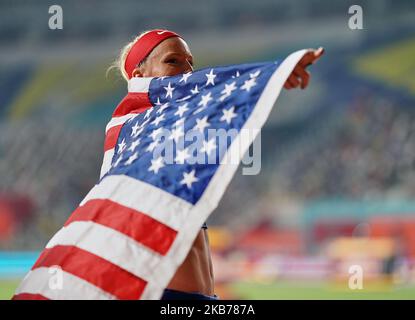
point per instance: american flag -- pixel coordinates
(130, 233)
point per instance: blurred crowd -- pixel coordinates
(366, 150)
(52, 163)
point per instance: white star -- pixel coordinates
(179, 122)
(176, 134)
(208, 146)
(134, 145)
(210, 77)
(228, 115)
(200, 109)
(248, 84)
(236, 75)
(228, 90)
(255, 74)
(158, 103)
(163, 107)
(169, 90)
(156, 164)
(201, 124)
(181, 110)
(205, 99)
(155, 133)
(195, 90)
(189, 178)
(185, 76)
(132, 158)
(121, 146)
(152, 146)
(158, 119)
(135, 129)
(147, 113)
(116, 163)
(144, 122)
(181, 156)
(183, 99)
(138, 132)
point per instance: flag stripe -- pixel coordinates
(29, 296)
(111, 137)
(119, 120)
(134, 102)
(133, 223)
(143, 197)
(39, 282)
(109, 244)
(93, 269)
(106, 162)
(139, 84)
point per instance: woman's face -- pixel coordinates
(171, 57)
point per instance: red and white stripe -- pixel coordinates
(135, 102)
(98, 248)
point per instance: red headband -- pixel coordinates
(143, 47)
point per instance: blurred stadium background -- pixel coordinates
(337, 185)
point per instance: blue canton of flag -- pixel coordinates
(211, 98)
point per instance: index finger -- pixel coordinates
(312, 56)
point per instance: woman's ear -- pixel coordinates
(137, 73)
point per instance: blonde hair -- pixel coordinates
(119, 63)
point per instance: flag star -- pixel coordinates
(181, 110)
(134, 145)
(169, 90)
(132, 158)
(195, 90)
(201, 124)
(255, 74)
(189, 178)
(210, 77)
(135, 129)
(144, 122)
(228, 90)
(121, 146)
(208, 146)
(228, 115)
(176, 134)
(156, 164)
(200, 109)
(158, 119)
(158, 103)
(138, 132)
(155, 133)
(181, 156)
(183, 99)
(185, 76)
(179, 122)
(236, 75)
(163, 107)
(147, 113)
(116, 163)
(152, 145)
(205, 99)
(248, 84)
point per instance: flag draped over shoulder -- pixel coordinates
(135, 227)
